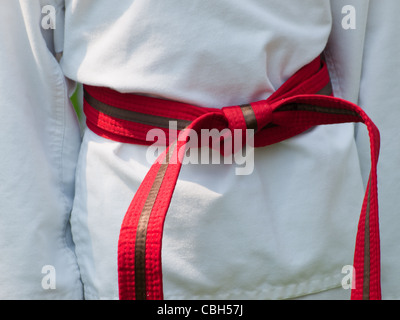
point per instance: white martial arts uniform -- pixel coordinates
(286, 230)
(39, 145)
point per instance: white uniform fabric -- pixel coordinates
(39, 145)
(284, 231)
(380, 97)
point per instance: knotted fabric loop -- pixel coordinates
(240, 117)
(302, 102)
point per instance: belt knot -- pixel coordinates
(253, 116)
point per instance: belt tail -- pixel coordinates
(140, 241)
(366, 283)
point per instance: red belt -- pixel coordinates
(302, 102)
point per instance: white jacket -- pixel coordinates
(39, 143)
